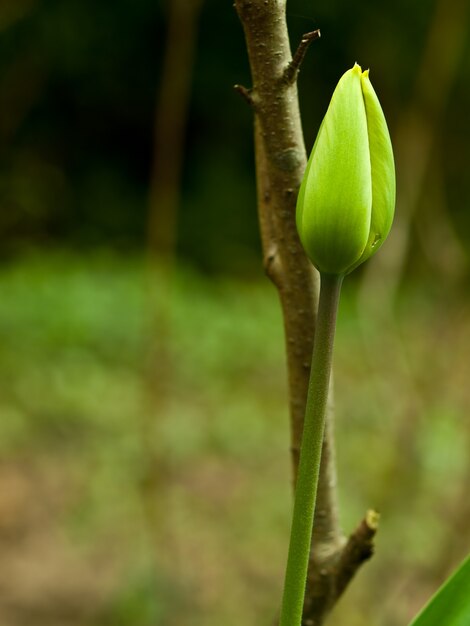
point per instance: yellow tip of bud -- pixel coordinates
(365, 73)
(357, 68)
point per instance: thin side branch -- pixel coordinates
(330, 573)
(359, 548)
(292, 69)
(245, 93)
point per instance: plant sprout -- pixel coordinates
(345, 211)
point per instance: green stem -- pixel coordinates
(310, 453)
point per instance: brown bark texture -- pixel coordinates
(280, 163)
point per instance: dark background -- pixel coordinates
(79, 86)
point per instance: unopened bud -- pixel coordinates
(347, 198)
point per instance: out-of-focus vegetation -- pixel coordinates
(78, 90)
(78, 544)
(144, 475)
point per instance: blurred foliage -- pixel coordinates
(78, 411)
(78, 89)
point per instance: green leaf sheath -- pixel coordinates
(450, 606)
(310, 454)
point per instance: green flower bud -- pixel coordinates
(347, 197)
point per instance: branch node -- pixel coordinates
(290, 73)
(272, 266)
(246, 94)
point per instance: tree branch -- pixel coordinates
(292, 69)
(280, 164)
(271, 258)
(359, 548)
(327, 582)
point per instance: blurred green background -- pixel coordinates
(144, 469)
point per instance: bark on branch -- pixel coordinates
(280, 164)
(292, 70)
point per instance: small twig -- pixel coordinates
(359, 548)
(245, 93)
(328, 581)
(291, 71)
